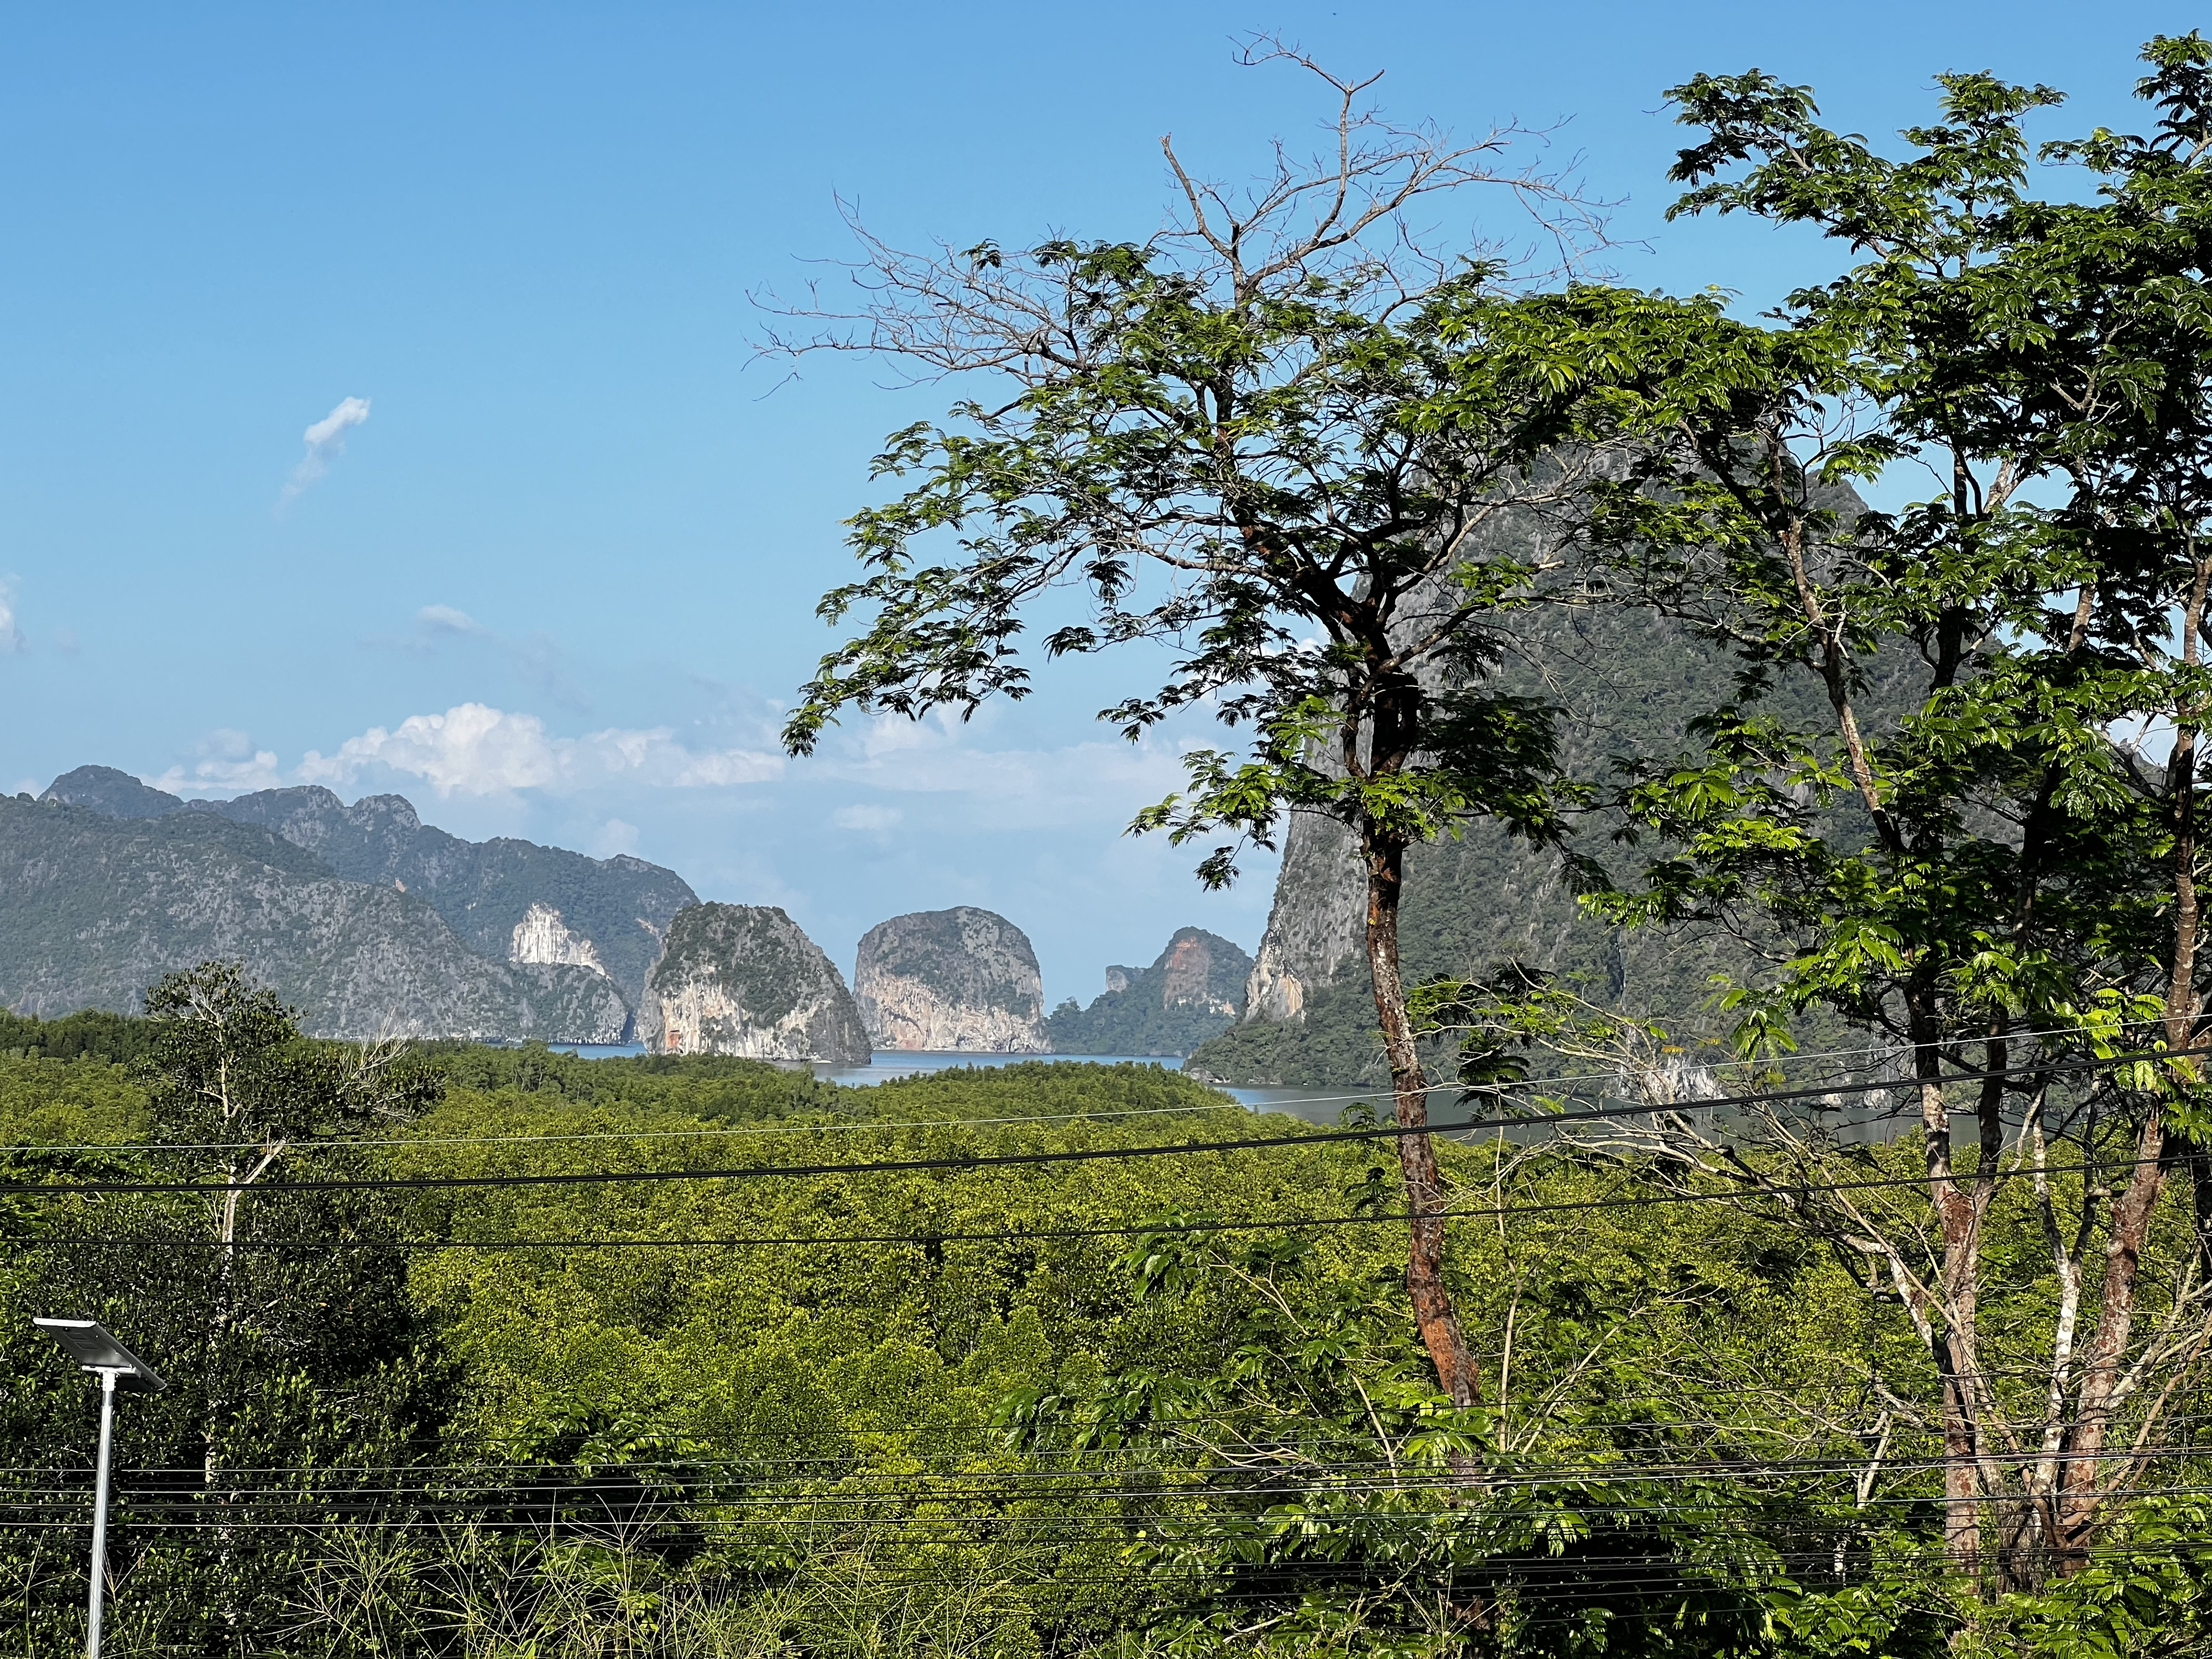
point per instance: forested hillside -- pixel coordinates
(573, 936)
(93, 907)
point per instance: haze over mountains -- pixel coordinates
(373, 923)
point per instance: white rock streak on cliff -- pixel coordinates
(543, 936)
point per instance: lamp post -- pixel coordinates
(89, 1343)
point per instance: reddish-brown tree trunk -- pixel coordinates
(1426, 1202)
(2081, 1493)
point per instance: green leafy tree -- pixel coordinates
(1273, 442)
(280, 1317)
(2004, 881)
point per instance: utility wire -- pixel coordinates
(1073, 1155)
(1784, 1191)
(891, 1125)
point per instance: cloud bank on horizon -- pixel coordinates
(889, 816)
(325, 441)
(473, 748)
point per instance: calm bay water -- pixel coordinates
(1314, 1105)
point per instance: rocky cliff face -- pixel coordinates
(1319, 918)
(93, 908)
(1629, 684)
(957, 979)
(1202, 971)
(744, 979)
(1193, 990)
(542, 937)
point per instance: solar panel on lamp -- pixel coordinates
(94, 1347)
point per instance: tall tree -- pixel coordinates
(2005, 878)
(1273, 438)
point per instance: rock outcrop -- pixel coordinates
(1195, 990)
(745, 979)
(1317, 922)
(961, 979)
(95, 906)
(543, 936)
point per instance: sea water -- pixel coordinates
(1315, 1105)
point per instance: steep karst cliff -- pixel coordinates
(1195, 989)
(543, 936)
(1629, 684)
(957, 979)
(744, 979)
(95, 906)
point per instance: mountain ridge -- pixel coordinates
(95, 906)
(1193, 990)
(486, 890)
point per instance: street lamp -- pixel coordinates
(89, 1343)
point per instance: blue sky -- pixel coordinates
(552, 574)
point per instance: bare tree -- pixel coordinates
(1282, 435)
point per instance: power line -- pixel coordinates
(1071, 1154)
(653, 1511)
(892, 1125)
(780, 1128)
(1783, 1191)
(1307, 1479)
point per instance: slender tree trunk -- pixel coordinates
(222, 1321)
(1425, 1203)
(2101, 1367)
(1951, 1333)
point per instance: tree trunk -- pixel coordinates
(1425, 1203)
(2082, 1496)
(1952, 1335)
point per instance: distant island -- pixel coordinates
(372, 923)
(1195, 990)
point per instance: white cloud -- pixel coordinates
(475, 750)
(229, 765)
(865, 817)
(11, 636)
(445, 619)
(326, 439)
(614, 836)
(1026, 788)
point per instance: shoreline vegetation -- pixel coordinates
(952, 1406)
